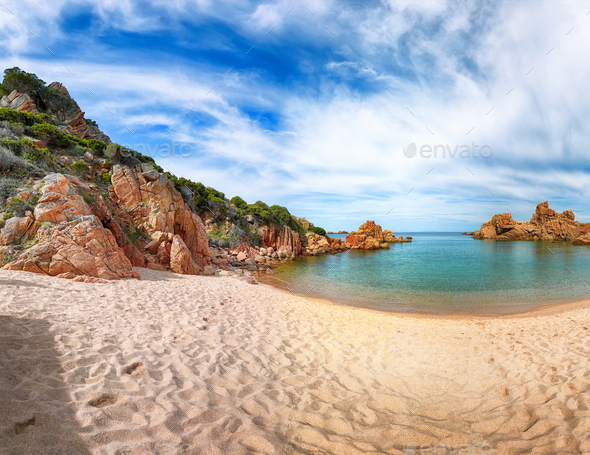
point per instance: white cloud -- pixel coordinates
(338, 154)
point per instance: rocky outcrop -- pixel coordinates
(158, 210)
(60, 104)
(316, 244)
(370, 236)
(19, 102)
(69, 241)
(276, 237)
(545, 224)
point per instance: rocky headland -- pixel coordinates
(75, 205)
(545, 224)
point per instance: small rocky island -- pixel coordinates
(545, 224)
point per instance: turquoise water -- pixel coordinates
(445, 273)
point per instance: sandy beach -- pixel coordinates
(214, 365)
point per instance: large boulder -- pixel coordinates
(158, 209)
(18, 230)
(181, 260)
(70, 240)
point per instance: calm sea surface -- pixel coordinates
(446, 273)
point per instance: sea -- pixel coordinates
(445, 273)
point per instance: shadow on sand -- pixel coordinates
(36, 408)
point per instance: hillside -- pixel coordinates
(76, 205)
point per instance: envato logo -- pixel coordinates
(460, 151)
(174, 150)
(439, 449)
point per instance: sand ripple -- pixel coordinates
(216, 366)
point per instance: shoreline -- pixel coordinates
(545, 309)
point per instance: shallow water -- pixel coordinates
(446, 273)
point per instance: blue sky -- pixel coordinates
(322, 98)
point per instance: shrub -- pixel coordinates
(8, 188)
(106, 177)
(318, 230)
(9, 162)
(239, 202)
(96, 146)
(25, 118)
(17, 79)
(16, 147)
(90, 122)
(18, 206)
(52, 136)
(18, 129)
(80, 168)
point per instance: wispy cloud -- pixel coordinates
(316, 115)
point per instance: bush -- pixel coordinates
(90, 122)
(106, 177)
(16, 147)
(18, 206)
(239, 202)
(96, 146)
(8, 188)
(80, 168)
(52, 136)
(23, 82)
(318, 230)
(17, 129)
(25, 118)
(9, 162)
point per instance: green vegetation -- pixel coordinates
(21, 81)
(318, 230)
(25, 118)
(134, 234)
(52, 136)
(18, 207)
(90, 122)
(80, 168)
(89, 199)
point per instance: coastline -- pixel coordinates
(226, 367)
(540, 309)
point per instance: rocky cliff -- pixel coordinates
(545, 224)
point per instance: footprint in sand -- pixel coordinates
(20, 427)
(104, 400)
(135, 369)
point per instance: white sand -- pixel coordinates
(222, 366)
